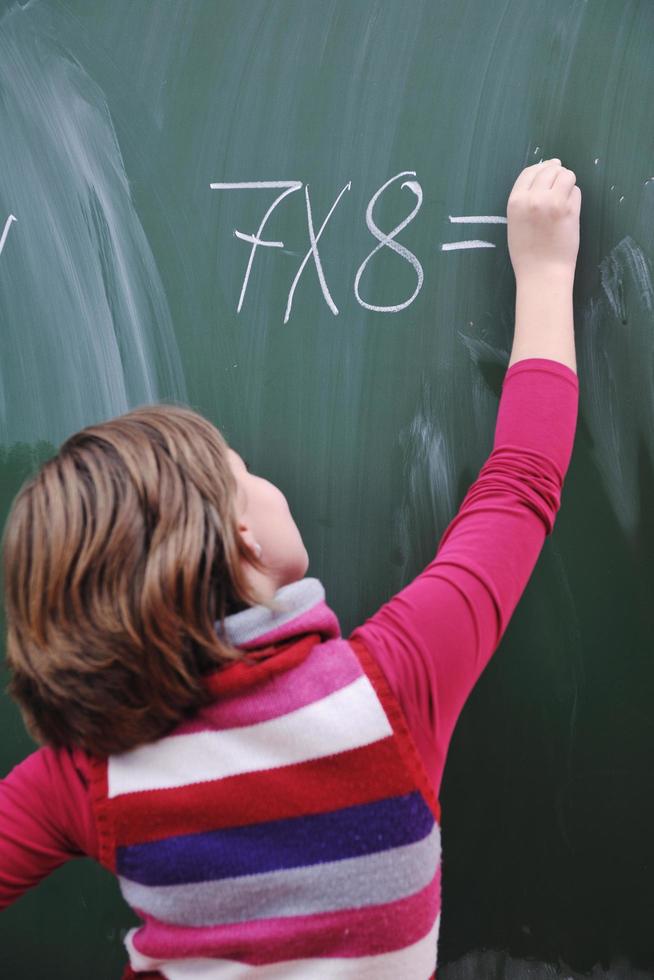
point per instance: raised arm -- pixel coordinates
(434, 638)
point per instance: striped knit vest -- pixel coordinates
(289, 829)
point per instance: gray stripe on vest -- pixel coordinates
(289, 601)
(351, 883)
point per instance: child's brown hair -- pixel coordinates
(119, 555)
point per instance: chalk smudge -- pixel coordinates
(489, 965)
(87, 329)
(626, 257)
(429, 497)
(615, 363)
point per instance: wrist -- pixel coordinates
(544, 320)
(557, 278)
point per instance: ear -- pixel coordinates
(249, 539)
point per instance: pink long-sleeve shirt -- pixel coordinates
(432, 640)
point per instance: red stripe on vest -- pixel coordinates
(374, 772)
(257, 666)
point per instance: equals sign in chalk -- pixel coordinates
(473, 219)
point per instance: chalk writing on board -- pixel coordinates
(384, 239)
(314, 239)
(256, 240)
(8, 223)
(389, 241)
(473, 219)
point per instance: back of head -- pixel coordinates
(118, 557)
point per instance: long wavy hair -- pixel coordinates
(119, 556)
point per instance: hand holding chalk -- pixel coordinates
(543, 234)
(543, 221)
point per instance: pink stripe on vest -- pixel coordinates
(322, 673)
(350, 932)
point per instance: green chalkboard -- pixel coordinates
(366, 388)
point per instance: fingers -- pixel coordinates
(527, 176)
(545, 177)
(575, 196)
(548, 175)
(564, 181)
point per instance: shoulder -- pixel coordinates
(52, 786)
(50, 766)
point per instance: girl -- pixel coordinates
(265, 790)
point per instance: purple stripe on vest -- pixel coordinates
(350, 832)
(370, 879)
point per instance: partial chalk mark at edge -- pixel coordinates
(8, 224)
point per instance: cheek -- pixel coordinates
(272, 520)
(272, 510)
(285, 528)
(283, 509)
